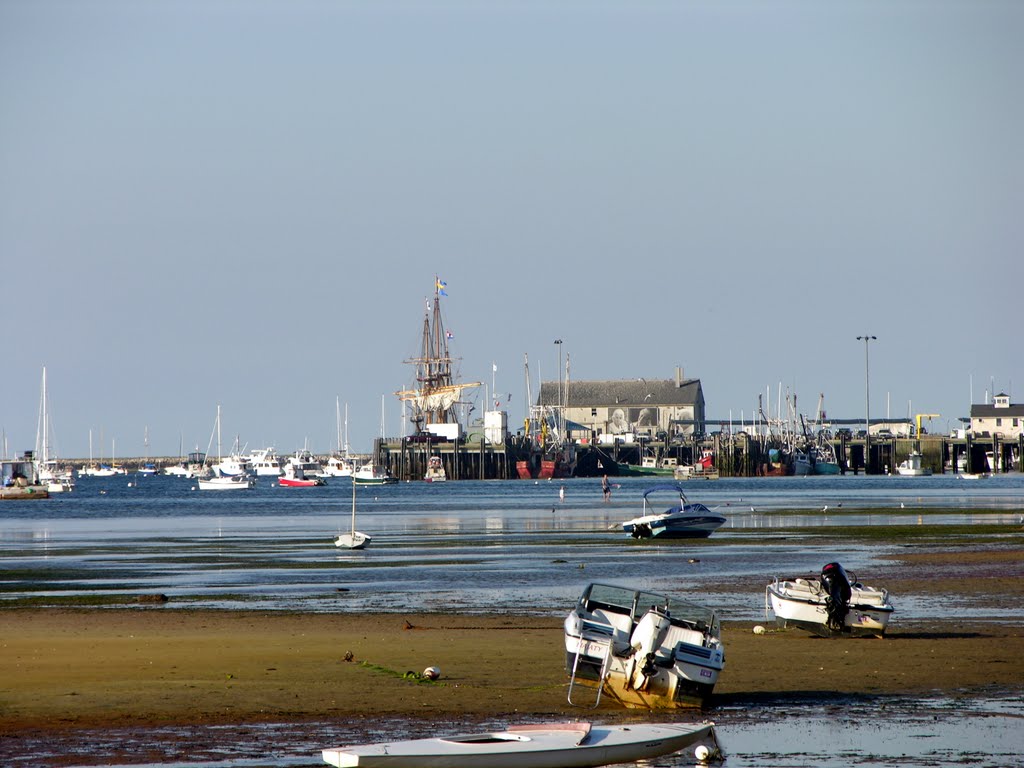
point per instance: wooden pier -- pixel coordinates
(740, 455)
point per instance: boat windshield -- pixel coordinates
(635, 604)
(678, 610)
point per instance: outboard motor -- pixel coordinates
(837, 604)
(645, 640)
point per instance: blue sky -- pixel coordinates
(246, 203)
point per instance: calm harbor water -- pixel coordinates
(502, 546)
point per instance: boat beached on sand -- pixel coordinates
(831, 604)
(682, 521)
(557, 745)
(642, 648)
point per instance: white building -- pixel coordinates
(1001, 419)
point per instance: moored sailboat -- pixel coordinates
(212, 480)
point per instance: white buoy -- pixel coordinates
(702, 753)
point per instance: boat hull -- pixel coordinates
(354, 540)
(680, 527)
(291, 482)
(228, 483)
(560, 746)
(796, 605)
(669, 657)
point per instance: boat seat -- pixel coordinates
(676, 635)
(621, 628)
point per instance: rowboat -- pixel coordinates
(557, 745)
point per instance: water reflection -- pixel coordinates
(913, 733)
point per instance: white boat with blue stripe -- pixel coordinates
(684, 520)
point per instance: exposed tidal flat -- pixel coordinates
(245, 662)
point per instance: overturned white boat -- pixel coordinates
(830, 604)
(558, 745)
(641, 648)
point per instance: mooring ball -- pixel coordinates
(431, 673)
(758, 630)
(702, 753)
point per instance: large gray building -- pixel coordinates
(624, 408)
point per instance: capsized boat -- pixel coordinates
(682, 521)
(831, 604)
(643, 649)
(557, 745)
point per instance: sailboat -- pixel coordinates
(354, 539)
(211, 480)
(436, 392)
(371, 473)
(48, 470)
(147, 467)
(339, 464)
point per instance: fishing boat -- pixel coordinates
(301, 471)
(212, 479)
(643, 649)
(685, 520)
(912, 466)
(832, 603)
(373, 474)
(551, 745)
(704, 469)
(435, 471)
(191, 466)
(264, 462)
(353, 539)
(337, 466)
(18, 479)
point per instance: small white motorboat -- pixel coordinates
(644, 649)
(558, 745)
(912, 466)
(830, 604)
(685, 520)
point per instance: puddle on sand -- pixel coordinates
(876, 732)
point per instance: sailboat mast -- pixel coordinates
(353, 509)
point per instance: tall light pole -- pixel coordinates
(867, 403)
(558, 416)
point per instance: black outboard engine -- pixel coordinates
(837, 604)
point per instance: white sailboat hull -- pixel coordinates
(354, 540)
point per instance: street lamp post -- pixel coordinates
(558, 417)
(867, 403)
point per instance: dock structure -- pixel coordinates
(738, 455)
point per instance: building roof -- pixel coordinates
(634, 392)
(995, 412)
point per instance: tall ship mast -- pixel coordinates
(435, 393)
